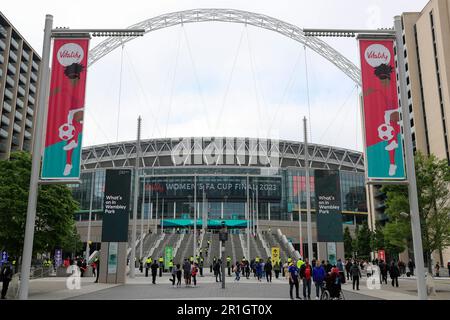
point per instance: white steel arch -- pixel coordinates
(235, 16)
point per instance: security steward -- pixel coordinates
(148, 263)
(161, 265)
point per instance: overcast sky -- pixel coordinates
(216, 79)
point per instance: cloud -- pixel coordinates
(194, 93)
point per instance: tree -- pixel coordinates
(433, 178)
(54, 225)
(362, 243)
(348, 243)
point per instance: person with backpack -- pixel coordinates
(318, 278)
(305, 275)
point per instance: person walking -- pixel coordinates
(6, 275)
(247, 269)
(293, 280)
(229, 265)
(237, 271)
(178, 275)
(394, 272)
(97, 266)
(154, 268)
(200, 266)
(277, 269)
(436, 269)
(216, 269)
(340, 267)
(174, 274)
(383, 271)
(258, 270)
(448, 267)
(211, 266)
(318, 277)
(348, 266)
(187, 272)
(268, 270)
(305, 275)
(411, 266)
(194, 272)
(356, 274)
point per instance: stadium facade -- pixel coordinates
(220, 168)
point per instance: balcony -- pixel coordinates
(14, 44)
(20, 103)
(17, 128)
(28, 123)
(34, 77)
(10, 81)
(3, 133)
(19, 116)
(30, 111)
(13, 56)
(32, 88)
(2, 59)
(25, 55)
(5, 120)
(35, 66)
(31, 99)
(11, 68)
(27, 135)
(21, 91)
(22, 79)
(2, 45)
(15, 140)
(24, 67)
(8, 94)
(6, 106)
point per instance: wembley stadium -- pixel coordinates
(255, 186)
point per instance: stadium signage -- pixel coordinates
(116, 204)
(328, 206)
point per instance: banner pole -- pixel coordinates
(410, 167)
(36, 160)
(308, 193)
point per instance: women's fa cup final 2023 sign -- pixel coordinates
(62, 152)
(383, 138)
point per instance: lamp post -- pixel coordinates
(396, 32)
(41, 107)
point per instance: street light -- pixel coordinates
(397, 34)
(44, 80)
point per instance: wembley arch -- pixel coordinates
(232, 16)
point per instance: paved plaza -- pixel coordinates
(141, 288)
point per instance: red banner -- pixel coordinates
(384, 151)
(63, 138)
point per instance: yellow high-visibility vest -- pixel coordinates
(161, 259)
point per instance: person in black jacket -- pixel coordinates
(394, 272)
(97, 266)
(154, 268)
(348, 266)
(6, 276)
(356, 274)
(268, 270)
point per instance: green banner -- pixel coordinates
(168, 256)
